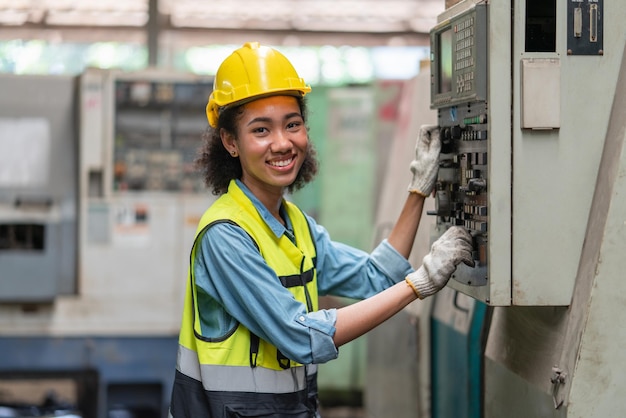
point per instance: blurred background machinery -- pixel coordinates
(99, 201)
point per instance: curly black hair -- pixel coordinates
(219, 167)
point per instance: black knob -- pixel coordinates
(477, 184)
(446, 141)
(455, 132)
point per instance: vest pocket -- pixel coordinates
(263, 410)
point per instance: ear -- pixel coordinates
(228, 140)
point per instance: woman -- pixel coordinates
(252, 334)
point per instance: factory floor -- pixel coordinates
(342, 412)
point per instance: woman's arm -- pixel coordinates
(403, 233)
(424, 167)
(357, 319)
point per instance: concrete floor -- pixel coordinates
(342, 412)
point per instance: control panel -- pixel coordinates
(459, 93)
(156, 134)
(461, 188)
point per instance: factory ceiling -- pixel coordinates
(289, 22)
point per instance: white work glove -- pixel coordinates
(426, 162)
(452, 248)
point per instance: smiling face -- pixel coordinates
(271, 145)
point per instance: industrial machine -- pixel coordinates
(99, 203)
(530, 97)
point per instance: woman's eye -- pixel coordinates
(260, 130)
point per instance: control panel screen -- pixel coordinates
(459, 59)
(445, 67)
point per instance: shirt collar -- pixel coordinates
(269, 219)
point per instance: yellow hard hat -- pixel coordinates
(252, 71)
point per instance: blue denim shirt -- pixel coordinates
(234, 284)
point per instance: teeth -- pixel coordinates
(282, 163)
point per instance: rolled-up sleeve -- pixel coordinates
(390, 262)
(321, 326)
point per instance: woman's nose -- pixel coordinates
(281, 142)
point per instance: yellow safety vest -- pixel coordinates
(241, 363)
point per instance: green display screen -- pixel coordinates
(445, 61)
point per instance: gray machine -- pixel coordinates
(99, 202)
(38, 199)
(531, 101)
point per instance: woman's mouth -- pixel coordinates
(281, 163)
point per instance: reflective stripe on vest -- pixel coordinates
(243, 378)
